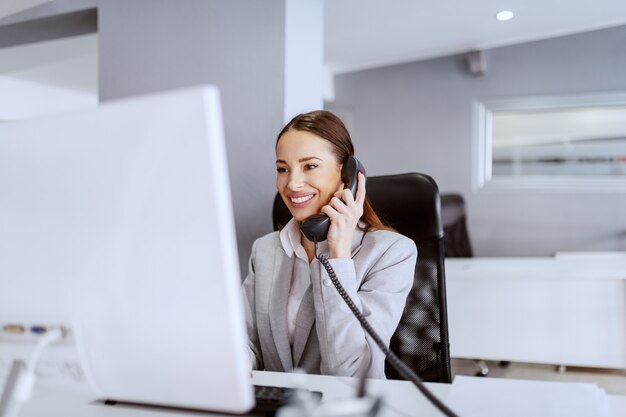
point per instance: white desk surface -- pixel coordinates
(401, 398)
(529, 268)
(564, 310)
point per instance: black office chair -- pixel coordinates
(410, 204)
(456, 238)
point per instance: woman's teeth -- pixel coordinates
(299, 200)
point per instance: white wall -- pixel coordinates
(48, 77)
(21, 99)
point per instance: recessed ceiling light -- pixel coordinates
(504, 15)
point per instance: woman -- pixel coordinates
(295, 316)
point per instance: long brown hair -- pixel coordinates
(326, 125)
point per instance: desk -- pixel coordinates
(401, 398)
(562, 311)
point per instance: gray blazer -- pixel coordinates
(328, 339)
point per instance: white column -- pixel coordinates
(304, 56)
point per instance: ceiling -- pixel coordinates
(362, 34)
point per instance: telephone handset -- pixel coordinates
(315, 228)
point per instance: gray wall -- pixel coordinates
(154, 45)
(52, 20)
(418, 117)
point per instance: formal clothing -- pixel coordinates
(290, 239)
(326, 337)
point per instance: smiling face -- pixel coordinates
(308, 173)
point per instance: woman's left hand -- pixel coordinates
(344, 216)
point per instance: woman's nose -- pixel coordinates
(296, 180)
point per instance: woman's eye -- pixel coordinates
(281, 170)
(310, 166)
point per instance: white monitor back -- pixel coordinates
(117, 224)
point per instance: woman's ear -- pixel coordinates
(341, 184)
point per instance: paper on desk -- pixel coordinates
(495, 397)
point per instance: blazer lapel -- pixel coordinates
(279, 294)
(304, 323)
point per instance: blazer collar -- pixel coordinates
(283, 269)
(290, 237)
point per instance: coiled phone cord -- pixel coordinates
(403, 369)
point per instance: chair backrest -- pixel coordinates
(410, 204)
(456, 240)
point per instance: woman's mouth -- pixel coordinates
(301, 200)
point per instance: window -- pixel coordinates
(553, 142)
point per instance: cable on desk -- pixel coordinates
(21, 380)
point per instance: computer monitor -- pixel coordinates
(117, 224)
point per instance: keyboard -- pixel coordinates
(269, 399)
